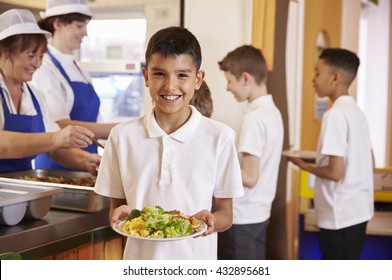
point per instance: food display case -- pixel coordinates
(73, 197)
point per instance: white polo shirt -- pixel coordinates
(262, 136)
(350, 201)
(183, 170)
(26, 106)
(54, 87)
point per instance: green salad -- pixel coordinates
(158, 223)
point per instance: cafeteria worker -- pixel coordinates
(67, 89)
(23, 120)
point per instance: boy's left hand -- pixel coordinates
(297, 161)
(207, 217)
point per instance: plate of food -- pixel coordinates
(157, 224)
(309, 156)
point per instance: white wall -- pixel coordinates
(373, 75)
(294, 59)
(351, 14)
(365, 30)
(220, 26)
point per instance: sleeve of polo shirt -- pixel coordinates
(228, 178)
(335, 129)
(252, 136)
(109, 181)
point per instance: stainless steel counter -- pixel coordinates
(55, 226)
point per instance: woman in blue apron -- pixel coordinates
(20, 123)
(67, 89)
(22, 127)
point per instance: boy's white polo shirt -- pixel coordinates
(345, 133)
(262, 136)
(183, 170)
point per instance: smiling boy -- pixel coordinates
(173, 157)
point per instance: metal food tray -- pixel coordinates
(74, 198)
(20, 200)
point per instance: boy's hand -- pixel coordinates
(207, 217)
(120, 213)
(297, 161)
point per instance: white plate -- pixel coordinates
(199, 231)
(306, 155)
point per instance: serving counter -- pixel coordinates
(63, 234)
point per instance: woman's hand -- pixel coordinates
(92, 164)
(73, 136)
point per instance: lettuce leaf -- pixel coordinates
(164, 224)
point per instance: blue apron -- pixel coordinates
(20, 123)
(85, 108)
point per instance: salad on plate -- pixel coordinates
(157, 223)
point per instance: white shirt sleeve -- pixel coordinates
(252, 136)
(334, 128)
(109, 171)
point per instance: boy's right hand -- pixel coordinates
(207, 217)
(73, 136)
(120, 213)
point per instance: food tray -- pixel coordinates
(307, 156)
(20, 200)
(74, 198)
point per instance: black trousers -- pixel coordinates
(343, 244)
(243, 242)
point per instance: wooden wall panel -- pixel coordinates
(67, 255)
(320, 15)
(263, 28)
(85, 252)
(114, 249)
(277, 236)
(99, 250)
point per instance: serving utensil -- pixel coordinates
(95, 141)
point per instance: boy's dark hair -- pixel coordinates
(342, 59)
(173, 41)
(245, 59)
(202, 100)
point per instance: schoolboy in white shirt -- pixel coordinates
(344, 164)
(260, 146)
(173, 157)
